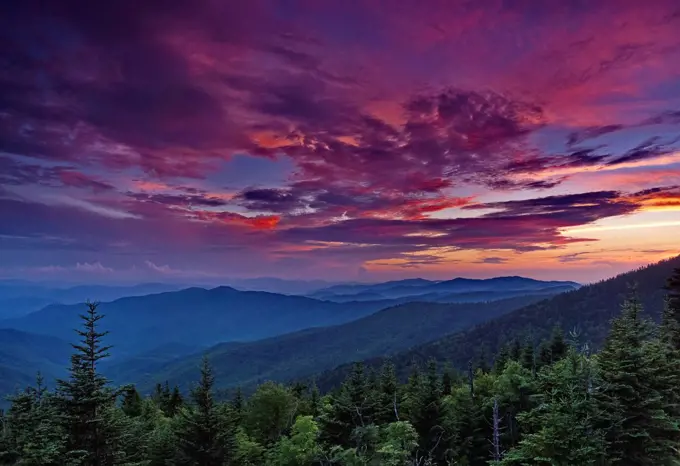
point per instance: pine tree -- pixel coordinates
(426, 415)
(175, 402)
(31, 430)
(352, 406)
(132, 402)
(672, 311)
(202, 436)
(238, 406)
(633, 408)
(527, 356)
(85, 400)
(560, 430)
(387, 409)
(558, 345)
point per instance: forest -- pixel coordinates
(556, 403)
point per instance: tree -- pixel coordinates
(398, 444)
(560, 430)
(86, 402)
(203, 435)
(672, 310)
(271, 412)
(301, 448)
(31, 432)
(426, 415)
(639, 429)
(352, 406)
(175, 402)
(387, 398)
(132, 402)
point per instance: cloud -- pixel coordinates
(95, 267)
(392, 137)
(492, 260)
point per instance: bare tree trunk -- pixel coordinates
(496, 432)
(471, 378)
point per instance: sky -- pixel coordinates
(340, 140)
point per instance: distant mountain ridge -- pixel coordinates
(195, 316)
(419, 287)
(18, 297)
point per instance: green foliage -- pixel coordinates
(301, 448)
(85, 401)
(560, 430)
(271, 412)
(204, 432)
(640, 426)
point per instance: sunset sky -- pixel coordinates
(337, 139)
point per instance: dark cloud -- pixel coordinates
(493, 260)
(592, 133)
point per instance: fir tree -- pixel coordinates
(85, 400)
(202, 437)
(632, 406)
(560, 429)
(132, 402)
(387, 409)
(175, 402)
(31, 432)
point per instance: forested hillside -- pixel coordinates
(313, 350)
(562, 406)
(587, 311)
(22, 354)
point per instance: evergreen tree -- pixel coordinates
(351, 407)
(527, 356)
(86, 402)
(558, 345)
(560, 430)
(426, 415)
(30, 430)
(387, 409)
(203, 437)
(632, 406)
(175, 402)
(238, 406)
(672, 310)
(132, 402)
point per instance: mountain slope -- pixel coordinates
(303, 353)
(588, 309)
(23, 354)
(18, 298)
(195, 316)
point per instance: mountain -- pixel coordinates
(195, 316)
(23, 354)
(589, 310)
(420, 289)
(19, 297)
(278, 285)
(309, 351)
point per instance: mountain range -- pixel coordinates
(586, 313)
(306, 352)
(254, 336)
